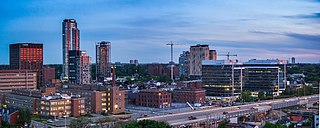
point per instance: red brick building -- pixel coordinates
(48, 75)
(155, 69)
(99, 98)
(197, 84)
(153, 98)
(60, 105)
(44, 102)
(158, 69)
(189, 95)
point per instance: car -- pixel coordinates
(225, 112)
(192, 118)
(50, 121)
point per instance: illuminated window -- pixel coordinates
(53, 103)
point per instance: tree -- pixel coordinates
(246, 96)
(142, 124)
(261, 95)
(106, 119)
(24, 117)
(306, 123)
(79, 122)
(291, 125)
(270, 125)
(223, 123)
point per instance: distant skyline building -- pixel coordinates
(184, 63)
(85, 65)
(79, 67)
(197, 54)
(27, 56)
(103, 60)
(70, 41)
(293, 60)
(212, 55)
(74, 66)
(135, 62)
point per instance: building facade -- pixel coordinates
(70, 41)
(197, 54)
(99, 99)
(184, 63)
(62, 105)
(103, 60)
(85, 66)
(225, 78)
(189, 95)
(79, 67)
(74, 66)
(14, 79)
(48, 75)
(153, 98)
(193, 84)
(27, 56)
(212, 55)
(44, 102)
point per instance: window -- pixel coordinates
(53, 108)
(53, 103)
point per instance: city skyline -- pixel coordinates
(250, 29)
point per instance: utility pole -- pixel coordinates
(171, 62)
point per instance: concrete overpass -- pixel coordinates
(220, 113)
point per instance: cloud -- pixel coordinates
(308, 37)
(264, 32)
(308, 16)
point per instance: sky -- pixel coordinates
(140, 29)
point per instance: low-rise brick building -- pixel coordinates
(14, 79)
(99, 98)
(44, 102)
(197, 84)
(189, 95)
(153, 98)
(61, 105)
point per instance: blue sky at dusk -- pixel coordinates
(140, 29)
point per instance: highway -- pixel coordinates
(233, 111)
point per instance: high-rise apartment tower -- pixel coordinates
(103, 60)
(70, 41)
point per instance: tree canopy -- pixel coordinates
(142, 124)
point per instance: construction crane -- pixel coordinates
(228, 55)
(232, 68)
(171, 62)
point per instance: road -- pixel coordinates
(182, 118)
